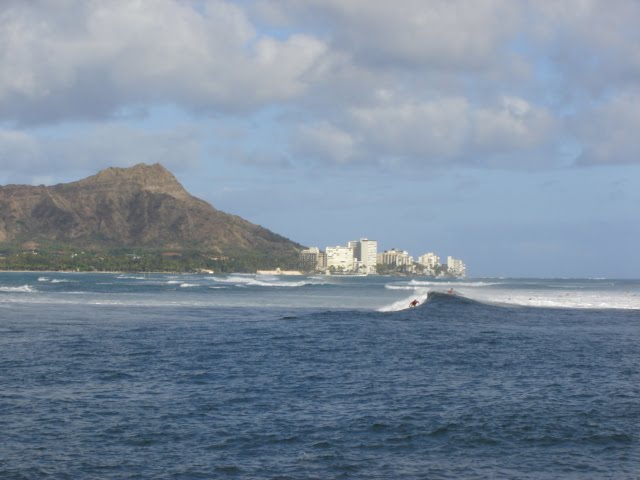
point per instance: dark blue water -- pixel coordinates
(453, 389)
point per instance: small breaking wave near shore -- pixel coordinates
(266, 281)
(20, 289)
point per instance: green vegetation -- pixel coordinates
(383, 269)
(138, 260)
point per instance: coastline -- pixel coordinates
(112, 272)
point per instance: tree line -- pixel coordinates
(138, 261)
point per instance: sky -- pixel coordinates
(502, 132)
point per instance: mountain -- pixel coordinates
(139, 207)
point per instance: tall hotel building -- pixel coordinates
(340, 258)
(313, 259)
(366, 254)
(429, 260)
(456, 267)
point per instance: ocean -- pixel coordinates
(318, 377)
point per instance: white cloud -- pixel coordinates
(515, 125)
(433, 130)
(326, 143)
(89, 58)
(445, 131)
(449, 34)
(486, 82)
(608, 133)
(593, 44)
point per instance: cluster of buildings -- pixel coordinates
(362, 257)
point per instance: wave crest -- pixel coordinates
(405, 303)
(263, 281)
(21, 289)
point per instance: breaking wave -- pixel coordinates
(531, 298)
(405, 303)
(53, 280)
(22, 289)
(427, 297)
(449, 284)
(264, 281)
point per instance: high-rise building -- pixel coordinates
(309, 258)
(369, 254)
(456, 267)
(340, 258)
(322, 261)
(430, 261)
(365, 252)
(395, 258)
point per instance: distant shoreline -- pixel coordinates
(103, 271)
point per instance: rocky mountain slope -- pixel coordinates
(142, 206)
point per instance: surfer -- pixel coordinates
(451, 292)
(414, 303)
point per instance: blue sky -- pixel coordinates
(502, 132)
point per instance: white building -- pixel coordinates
(369, 254)
(340, 258)
(456, 267)
(365, 252)
(430, 261)
(395, 258)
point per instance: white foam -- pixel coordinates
(22, 289)
(560, 299)
(417, 285)
(567, 295)
(427, 283)
(419, 294)
(402, 287)
(383, 294)
(54, 280)
(263, 281)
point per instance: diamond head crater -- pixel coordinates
(130, 219)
